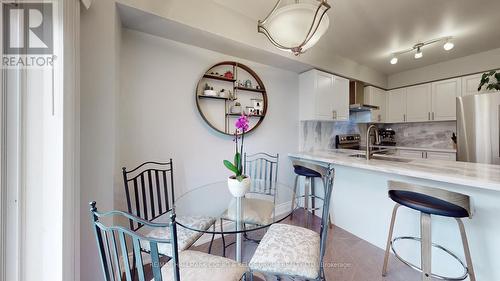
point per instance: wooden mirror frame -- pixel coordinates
(236, 87)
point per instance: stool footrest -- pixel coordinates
(466, 271)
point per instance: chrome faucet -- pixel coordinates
(369, 152)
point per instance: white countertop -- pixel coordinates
(476, 175)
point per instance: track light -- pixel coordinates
(419, 53)
(448, 45)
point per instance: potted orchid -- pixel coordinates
(238, 183)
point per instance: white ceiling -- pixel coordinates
(368, 31)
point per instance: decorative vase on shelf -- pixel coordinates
(238, 188)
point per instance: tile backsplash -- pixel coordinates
(426, 134)
(319, 135)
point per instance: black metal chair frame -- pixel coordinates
(147, 179)
(108, 247)
(257, 166)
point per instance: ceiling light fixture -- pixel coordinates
(295, 27)
(419, 46)
(394, 60)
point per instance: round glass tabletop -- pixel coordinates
(264, 204)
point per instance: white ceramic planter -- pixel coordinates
(238, 188)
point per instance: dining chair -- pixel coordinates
(114, 243)
(262, 167)
(149, 190)
(294, 251)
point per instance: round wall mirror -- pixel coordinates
(226, 91)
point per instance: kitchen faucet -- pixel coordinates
(369, 152)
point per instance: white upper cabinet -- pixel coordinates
(444, 99)
(376, 96)
(323, 96)
(418, 103)
(396, 106)
(341, 98)
(470, 84)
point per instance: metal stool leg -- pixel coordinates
(426, 246)
(307, 188)
(468, 259)
(389, 239)
(294, 195)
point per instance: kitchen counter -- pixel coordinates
(475, 175)
(360, 204)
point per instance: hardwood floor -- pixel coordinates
(350, 258)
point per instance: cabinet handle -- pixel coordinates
(334, 114)
(429, 116)
(379, 118)
(433, 116)
(404, 117)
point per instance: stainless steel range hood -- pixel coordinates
(357, 98)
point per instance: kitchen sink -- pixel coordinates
(384, 158)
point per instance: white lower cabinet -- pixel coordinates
(418, 154)
(447, 156)
(412, 154)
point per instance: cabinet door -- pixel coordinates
(418, 103)
(340, 99)
(444, 99)
(470, 84)
(324, 96)
(412, 154)
(396, 106)
(447, 156)
(376, 96)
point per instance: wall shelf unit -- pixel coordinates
(245, 88)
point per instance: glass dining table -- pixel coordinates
(264, 204)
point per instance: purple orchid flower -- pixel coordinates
(242, 123)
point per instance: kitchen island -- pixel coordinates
(361, 206)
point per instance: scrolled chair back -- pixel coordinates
(262, 167)
(115, 244)
(149, 190)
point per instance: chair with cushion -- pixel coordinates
(259, 167)
(116, 243)
(436, 202)
(149, 189)
(297, 252)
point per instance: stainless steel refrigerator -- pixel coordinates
(478, 126)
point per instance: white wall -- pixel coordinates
(158, 118)
(462, 66)
(99, 50)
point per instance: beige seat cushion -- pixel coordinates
(198, 266)
(185, 237)
(255, 211)
(288, 250)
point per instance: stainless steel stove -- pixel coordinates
(351, 141)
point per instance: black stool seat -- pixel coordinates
(427, 204)
(303, 171)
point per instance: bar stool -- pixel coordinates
(310, 175)
(429, 201)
